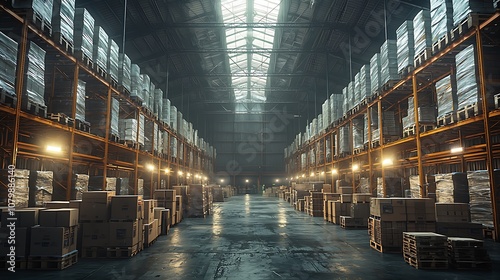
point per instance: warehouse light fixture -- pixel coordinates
(303, 175)
(387, 162)
(322, 172)
(277, 180)
(222, 180)
(150, 167)
(205, 178)
(167, 170)
(312, 174)
(53, 149)
(334, 171)
(246, 181)
(297, 177)
(355, 167)
(180, 173)
(457, 150)
(188, 175)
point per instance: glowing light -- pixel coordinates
(167, 170)
(180, 173)
(335, 171)
(277, 180)
(457, 150)
(387, 162)
(150, 167)
(246, 181)
(53, 149)
(222, 180)
(355, 167)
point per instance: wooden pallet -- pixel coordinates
(447, 119)
(422, 264)
(422, 57)
(38, 21)
(137, 100)
(84, 59)
(472, 265)
(384, 249)
(35, 108)
(473, 20)
(53, 262)
(114, 138)
(94, 252)
(82, 125)
(65, 44)
(358, 151)
(7, 99)
(122, 252)
(389, 85)
(21, 263)
(61, 118)
(129, 143)
(406, 71)
(100, 71)
(468, 111)
(441, 44)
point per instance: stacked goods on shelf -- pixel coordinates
(446, 96)
(146, 90)
(100, 49)
(63, 14)
(151, 101)
(124, 72)
(425, 250)
(125, 226)
(344, 144)
(122, 186)
(326, 113)
(393, 187)
(158, 103)
(441, 18)
(422, 32)
(336, 101)
(21, 181)
(390, 126)
(128, 130)
(468, 253)
(388, 62)
(151, 224)
(167, 198)
(375, 79)
(83, 34)
(80, 183)
(173, 147)
(452, 187)
(390, 217)
(480, 197)
(345, 100)
(467, 87)
(62, 99)
(8, 63)
(95, 114)
(96, 183)
(359, 212)
(364, 83)
(426, 115)
(320, 127)
(112, 66)
(140, 186)
(34, 84)
(173, 118)
(165, 117)
(54, 243)
(358, 133)
(136, 83)
(454, 219)
(405, 46)
(165, 142)
(462, 9)
(142, 123)
(42, 9)
(351, 93)
(41, 188)
(414, 181)
(150, 136)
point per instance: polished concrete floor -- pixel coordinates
(255, 237)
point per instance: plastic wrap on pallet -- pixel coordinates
(43, 8)
(390, 126)
(393, 187)
(150, 136)
(441, 18)
(124, 69)
(180, 123)
(173, 147)
(320, 123)
(8, 63)
(151, 102)
(357, 89)
(173, 118)
(345, 100)
(80, 185)
(146, 87)
(328, 150)
(445, 94)
(336, 106)
(113, 59)
(312, 157)
(136, 83)
(422, 31)
(364, 186)
(165, 137)
(467, 87)
(409, 120)
(158, 101)
(115, 113)
(388, 61)
(481, 210)
(156, 138)
(415, 186)
(462, 9)
(350, 89)
(100, 49)
(365, 83)
(326, 113)
(63, 15)
(21, 177)
(358, 133)
(375, 72)
(80, 100)
(140, 186)
(375, 134)
(344, 135)
(181, 150)
(190, 133)
(195, 138)
(303, 159)
(41, 187)
(427, 114)
(35, 80)
(128, 130)
(452, 188)
(84, 32)
(166, 111)
(122, 186)
(314, 127)
(405, 45)
(142, 123)
(365, 128)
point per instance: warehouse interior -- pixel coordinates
(137, 128)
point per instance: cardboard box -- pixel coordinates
(150, 232)
(179, 205)
(75, 204)
(65, 217)
(56, 204)
(95, 234)
(22, 241)
(172, 205)
(467, 230)
(327, 188)
(124, 234)
(26, 217)
(346, 198)
(331, 196)
(126, 208)
(360, 210)
(149, 210)
(361, 197)
(345, 190)
(52, 241)
(96, 205)
(165, 195)
(340, 209)
(452, 212)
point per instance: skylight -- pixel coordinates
(248, 59)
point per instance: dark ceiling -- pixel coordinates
(181, 45)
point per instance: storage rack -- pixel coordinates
(23, 134)
(427, 150)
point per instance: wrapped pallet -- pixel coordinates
(480, 197)
(146, 87)
(142, 123)
(21, 183)
(422, 31)
(84, 33)
(415, 186)
(41, 188)
(136, 83)
(345, 99)
(128, 130)
(63, 14)
(325, 112)
(80, 184)
(441, 18)
(42, 8)
(180, 123)
(344, 145)
(375, 79)
(467, 87)
(150, 136)
(124, 71)
(62, 101)
(197, 206)
(351, 90)
(446, 96)
(173, 147)
(393, 187)
(158, 103)
(462, 9)
(364, 82)
(358, 133)
(151, 102)
(166, 111)
(100, 49)
(405, 45)
(390, 126)
(452, 188)
(8, 63)
(336, 101)
(35, 75)
(388, 61)
(112, 66)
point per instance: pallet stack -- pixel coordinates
(151, 224)
(468, 253)
(316, 204)
(454, 219)
(197, 204)
(168, 198)
(360, 212)
(425, 250)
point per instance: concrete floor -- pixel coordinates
(255, 237)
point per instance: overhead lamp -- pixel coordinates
(303, 175)
(312, 174)
(246, 181)
(53, 149)
(322, 172)
(180, 173)
(150, 167)
(355, 167)
(205, 178)
(222, 180)
(456, 150)
(277, 180)
(387, 162)
(334, 171)
(167, 170)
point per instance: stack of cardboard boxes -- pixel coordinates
(94, 221)
(167, 198)
(316, 204)
(454, 219)
(342, 205)
(125, 226)
(360, 212)
(327, 197)
(151, 223)
(197, 206)
(390, 217)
